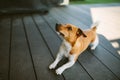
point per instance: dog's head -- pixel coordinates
(69, 31)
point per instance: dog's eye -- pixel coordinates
(69, 28)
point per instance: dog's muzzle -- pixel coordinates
(57, 27)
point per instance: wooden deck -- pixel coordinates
(29, 43)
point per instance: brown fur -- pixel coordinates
(78, 39)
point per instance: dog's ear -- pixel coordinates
(80, 32)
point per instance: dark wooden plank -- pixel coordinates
(95, 68)
(107, 45)
(21, 67)
(39, 50)
(65, 18)
(74, 73)
(109, 54)
(5, 25)
(78, 13)
(111, 62)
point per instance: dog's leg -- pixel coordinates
(95, 43)
(58, 58)
(67, 65)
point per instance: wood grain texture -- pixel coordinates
(21, 67)
(40, 52)
(5, 26)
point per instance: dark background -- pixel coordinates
(22, 6)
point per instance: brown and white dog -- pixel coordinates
(74, 43)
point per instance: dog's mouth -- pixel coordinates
(60, 33)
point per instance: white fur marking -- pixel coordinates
(69, 64)
(63, 51)
(58, 58)
(67, 47)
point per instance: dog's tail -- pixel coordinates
(94, 25)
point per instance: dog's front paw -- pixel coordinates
(52, 66)
(59, 71)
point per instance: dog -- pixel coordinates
(75, 41)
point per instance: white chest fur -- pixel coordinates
(66, 47)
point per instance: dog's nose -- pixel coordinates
(57, 26)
